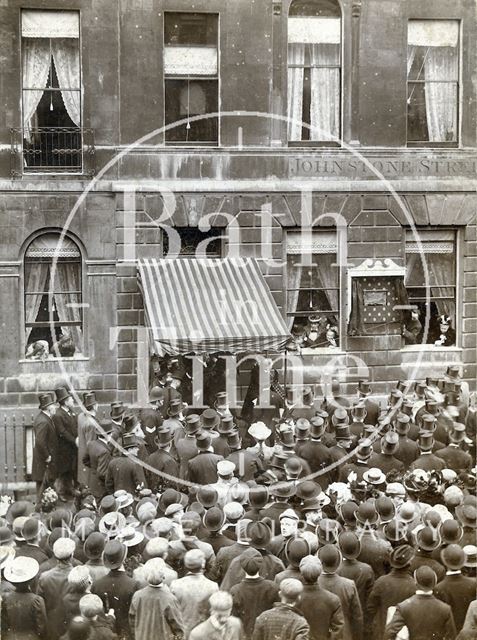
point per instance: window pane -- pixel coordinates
(190, 28)
(433, 63)
(432, 112)
(185, 99)
(192, 239)
(327, 8)
(441, 269)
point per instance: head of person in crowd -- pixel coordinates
(425, 579)
(220, 604)
(310, 569)
(194, 561)
(21, 573)
(63, 550)
(79, 579)
(251, 562)
(289, 523)
(78, 629)
(91, 606)
(290, 591)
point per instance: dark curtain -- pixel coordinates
(356, 321)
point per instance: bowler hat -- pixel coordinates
(366, 513)
(108, 504)
(328, 531)
(89, 399)
(259, 534)
(45, 400)
(18, 509)
(451, 532)
(117, 410)
(114, 554)
(349, 545)
(226, 425)
(425, 578)
(428, 539)
(295, 550)
(214, 519)
(308, 489)
(453, 557)
(330, 557)
(94, 545)
(6, 537)
(385, 508)
(258, 496)
(171, 496)
(395, 531)
(207, 496)
(62, 393)
(209, 419)
(467, 515)
(401, 556)
(31, 529)
(347, 511)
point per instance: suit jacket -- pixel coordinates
(347, 593)
(52, 586)
(124, 473)
(86, 433)
(323, 612)
(363, 577)
(202, 469)
(385, 462)
(46, 444)
(373, 410)
(23, 616)
(425, 617)
(251, 597)
(428, 462)
(97, 458)
(116, 590)
(283, 622)
(374, 551)
(455, 458)
(271, 566)
(425, 559)
(232, 630)
(407, 451)
(318, 457)
(247, 464)
(164, 462)
(458, 592)
(193, 592)
(66, 426)
(388, 591)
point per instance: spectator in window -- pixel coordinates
(443, 335)
(64, 347)
(412, 328)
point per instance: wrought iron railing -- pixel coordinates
(52, 150)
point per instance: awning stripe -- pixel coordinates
(202, 304)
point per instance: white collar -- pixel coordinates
(423, 593)
(453, 573)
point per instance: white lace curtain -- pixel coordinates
(325, 92)
(296, 56)
(441, 97)
(67, 279)
(37, 57)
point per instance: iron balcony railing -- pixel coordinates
(52, 150)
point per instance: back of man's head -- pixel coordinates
(310, 569)
(290, 590)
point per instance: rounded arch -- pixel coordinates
(44, 231)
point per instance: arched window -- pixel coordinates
(314, 71)
(65, 336)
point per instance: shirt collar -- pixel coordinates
(453, 573)
(423, 593)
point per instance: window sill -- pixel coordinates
(322, 351)
(431, 348)
(54, 360)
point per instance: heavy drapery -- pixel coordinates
(36, 278)
(67, 278)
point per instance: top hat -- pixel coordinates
(176, 406)
(403, 385)
(302, 427)
(342, 432)
(317, 427)
(164, 436)
(45, 400)
(233, 441)
(171, 496)
(104, 427)
(395, 397)
(156, 395)
(89, 399)
(21, 569)
(364, 387)
(432, 381)
(129, 441)
(278, 459)
(130, 421)
(290, 395)
(453, 557)
(340, 416)
(209, 419)
(349, 544)
(114, 554)
(62, 393)
(390, 443)
(117, 410)
(428, 422)
(192, 423)
(457, 433)
(402, 424)
(358, 411)
(221, 399)
(420, 387)
(364, 449)
(226, 425)
(307, 395)
(426, 441)
(432, 407)
(286, 436)
(203, 441)
(453, 372)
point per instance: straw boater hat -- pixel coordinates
(21, 569)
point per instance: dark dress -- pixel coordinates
(23, 616)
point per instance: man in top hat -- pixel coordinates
(247, 463)
(116, 414)
(46, 445)
(132, 427)
(151, 417)
(427, 460)
(124, 472)
(391, 589)
(407, 450)
(97, 457)
(359, 464)
(162, 460)
(186, 447)
(202, 468)
(66, 426)
(373, 409)
(453, 455)
(226, 427)
(424, 616)
(86, 432)
(358, 415)
(386, 460)
(335, 399)
(307, 406)
(315, 452)
(456, 590)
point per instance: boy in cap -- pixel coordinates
(91, 609)
(284, 619)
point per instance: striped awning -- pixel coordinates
(205, 305)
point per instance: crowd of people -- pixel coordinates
(310, 519)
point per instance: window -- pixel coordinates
(66, 314)
(314, 71)
(51, 91)
(438, 252)
(195, 243)
(433, 82)
(313, 286)
(191, 77)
